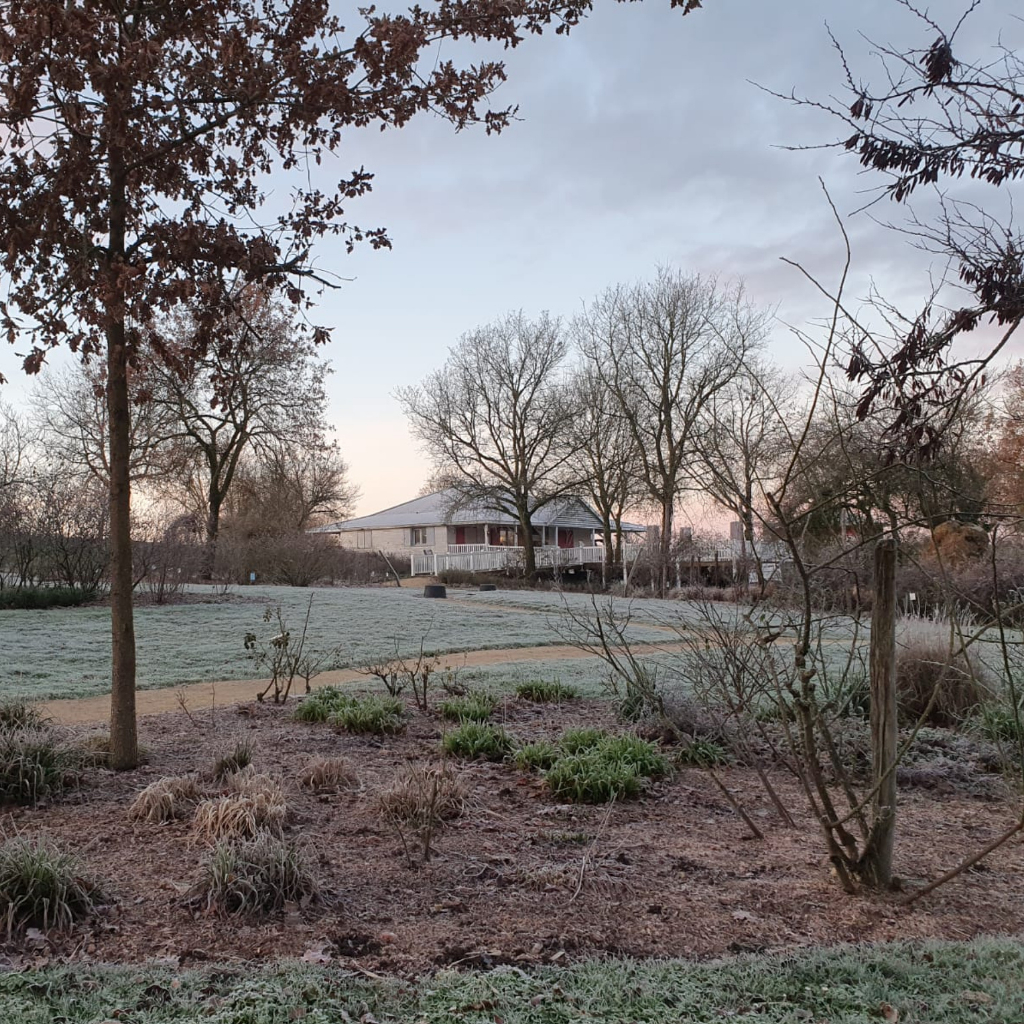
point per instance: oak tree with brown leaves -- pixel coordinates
(135, 137)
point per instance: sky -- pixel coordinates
(643, 139)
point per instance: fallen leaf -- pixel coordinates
(889, 1013)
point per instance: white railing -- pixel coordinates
(494, 559)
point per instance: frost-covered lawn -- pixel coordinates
(66, 652)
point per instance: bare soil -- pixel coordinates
(517, 879)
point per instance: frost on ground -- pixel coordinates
(66, 652)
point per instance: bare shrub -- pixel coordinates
(166, 799)
(424, 795)
(328, 773)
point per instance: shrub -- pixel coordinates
(572, 741)
(34, 765)
(256, 877)
(423, 796)
(166, 799)
(327, 773)
(321, 704)
(474, 707)
(377, 715)
(543, 692)
(239, 758)
(924, 667)
(41, 886)
(38, 598)
(536, 756)
(475, 739)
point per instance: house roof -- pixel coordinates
(444, 508)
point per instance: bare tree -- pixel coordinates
(288, 488)
(741, 442)
(664, 349)
(72, 417)
(260, 389)
(496, 418)
(606, 461)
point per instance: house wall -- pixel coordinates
(396, 539)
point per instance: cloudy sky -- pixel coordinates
(642, 141)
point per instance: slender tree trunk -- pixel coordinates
(875, 866)
(529, 554)
(124, 739)
(214, 498)
(667, 523)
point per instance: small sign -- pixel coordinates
(912, 596)
(252, 577)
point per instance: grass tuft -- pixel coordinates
(34, 765)
(593, 767)
(379, 716)
(473, 707)
(321, 704)
(21, 714)
(473, 740)
(542, 691)
(256, 877)
(423, 796)
(239, 758)
(536, 756)
(256, 806)
(166, 799)
(324, 774)
(41, 886)
(573, 741)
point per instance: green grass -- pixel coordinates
(379, 716)
(930, 983)
(256, 877)
(473, 707)
(540, 755)
(542, 691)
(34, 765)
(475, 739)
(42, 886)
(592, 767)
(321, 704)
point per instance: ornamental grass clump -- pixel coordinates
(256, 877)
(542, 691)
(473, 707)
(594, 769)
(321, 704)
(256, 804)
(239, 758)
(35, 764)
(536, 756)
(379, 716)
(166, 799)
(472, 740)
(326, 774)
(424, 796)
(42, 886)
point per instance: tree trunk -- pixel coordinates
(214, 498)
(124, 738)
(875, 866)
(665, 548)
(529, 555)
(124, 741)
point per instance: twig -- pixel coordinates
(588, 855)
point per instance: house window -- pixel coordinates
(417, 536)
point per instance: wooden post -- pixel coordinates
(876, 864)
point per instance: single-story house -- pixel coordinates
(440, 531)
